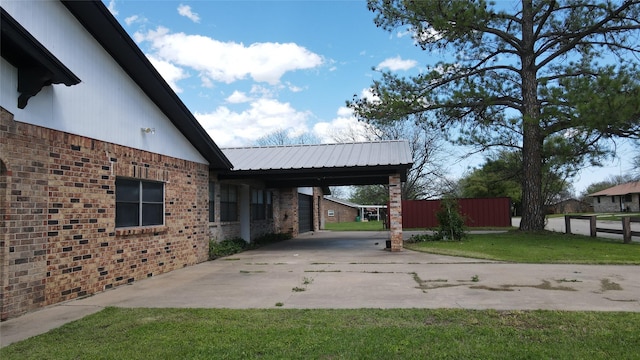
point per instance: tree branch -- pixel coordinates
(576, 38)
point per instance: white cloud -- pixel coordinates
(428, 35)
(171, 73)
(112, 7)
(185, 10)
(422, 36)
(138, 37)
(262, 91)
(403, 33)
(368, 95)
(238, 97)
(228, 128)
(229, 61)
(344, 128)
(294, 88)
(131, 19)
(397, 63)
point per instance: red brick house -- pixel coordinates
(107, 178)
(337, 210)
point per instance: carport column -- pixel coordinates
(395, 212)
(244, 211)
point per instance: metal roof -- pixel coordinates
(350, 204)
(320, 156)
(623, 189)
(342, 202)
(321, 164)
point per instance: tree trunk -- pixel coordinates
(532, 139)
(532, 201)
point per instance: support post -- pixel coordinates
(567, 224)
(626, 229)
(592, 226)
(244, 212)
(395, 212)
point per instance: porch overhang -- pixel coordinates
(320, 165)
(282, 178)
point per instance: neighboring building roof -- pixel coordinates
(96, 18)
(342, 202)
(350, 204)
(623, 189)
(569, 201)
(321, 165)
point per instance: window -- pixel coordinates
(627, 198)
(139, 203)
(212, 201)
(330, 213)
(598, 199)
(228, 203)
(613, 199)
(257, 204)
(269, 200)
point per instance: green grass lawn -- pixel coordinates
(120, 333)
(542, 247)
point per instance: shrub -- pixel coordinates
(423, 238)
(451, 222)
(226, 247)
(271, 238)
(235, 245)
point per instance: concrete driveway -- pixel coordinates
(353, 270)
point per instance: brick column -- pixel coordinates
(395, 212)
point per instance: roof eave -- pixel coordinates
(37, 66)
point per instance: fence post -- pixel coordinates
(567, 224)
(626, 229)
(592, 226)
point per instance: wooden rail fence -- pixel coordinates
(626, 231)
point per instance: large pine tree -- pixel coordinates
(552, 79)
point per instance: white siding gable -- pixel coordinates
(107, 105)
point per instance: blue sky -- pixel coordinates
(248, 68)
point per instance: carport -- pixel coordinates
(324, 165)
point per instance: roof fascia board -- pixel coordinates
(387, 169)
(96, 18)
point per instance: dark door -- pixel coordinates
(305, 213)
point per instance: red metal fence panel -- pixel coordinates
(477, 212)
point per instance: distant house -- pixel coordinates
(620, 198)
(337, 210)
(569, 206)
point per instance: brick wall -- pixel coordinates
(341, 213)
(59, 241)
(286, 215)
(317, 208)
(4, 213)
(224, 231)
(607, 205)
(395, 213)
